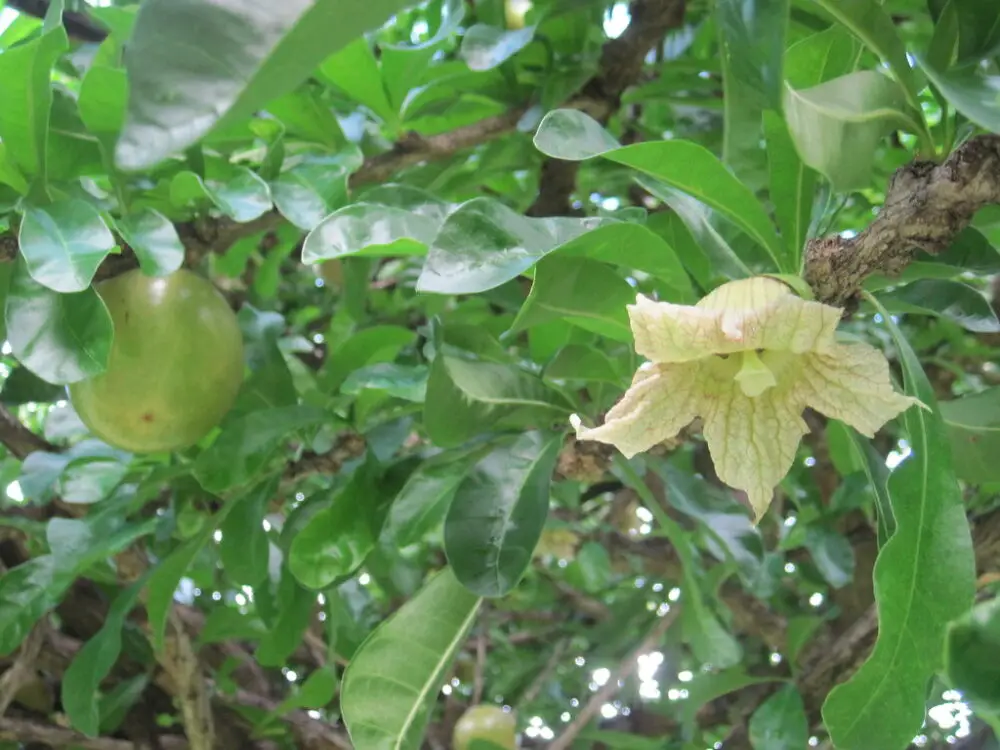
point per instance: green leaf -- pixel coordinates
(499, 511)
(246, 444)
(337, 539)
(792, 185)
(424, 500)
(399, 381)
(22, 386)
(306, 192)
(574, 136)
(832, 553)
(26, 91)
(583, 292)
(943, 298)
(103, 94)
(62, 338)
(978, 30)
(244, 549)
(485, 47)
(355, 71)
(241, 195)
(969, 251)
(853, 112)
(248, 55)
(973, 424)
(780, 722)
(706, 687)
(154, 240)
(92, 663)
(970, 91)
(870, 23)
(396, 674)
(316, 692)
(305, 116)
(924, 577)
(165, 577)
(578, 362)
(370, 229)
(27, 592)
(295, 611)
(753, 41)
(64, 243)
(270, 384)
(970, 655)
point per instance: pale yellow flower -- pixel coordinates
(748, 359)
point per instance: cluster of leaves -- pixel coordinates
(394, 489)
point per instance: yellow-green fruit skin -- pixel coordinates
(175, 368)
(485, 722)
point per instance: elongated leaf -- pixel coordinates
(753, 35)
(244, 548)
(64, 243)
(792, 184)
(485, 47)
(355, 71)
(247, 443)
(970, 91)
(947, 299)
(973, 424)
(248, 54)
(395, 675)
(978, 30)
(26, 91)
(852, 112)
(924, 578)
(153, 238)
(583, 292)
(295, 610)
(62, 338)
(498, 513)
(81, 682)
(574, 136)
(970, 655)
(780, 722)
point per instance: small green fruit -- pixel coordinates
(176, 363)
(486, 722)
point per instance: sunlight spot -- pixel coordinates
(610, 204)
(685, 676)
(816, 599)
(662, 609)
(674, 594)
(564, 716)
(809, 461)
(266, 524)
(579, 661)
(446, 689)
(813, 741)
(790, 521)
(790, 567)
(14, 492)
(313, 714)
(6, 344)
(608, 711)
(775, 658)
(617, 20)
(601, 676)
(364, 579)
(217, 535)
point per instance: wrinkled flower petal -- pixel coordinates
(748, 359)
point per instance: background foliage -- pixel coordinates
(430, 219)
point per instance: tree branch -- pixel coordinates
(18, 439)
(926, 206)
(25, 731)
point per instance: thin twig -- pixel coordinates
(542, 677)
(190, 687)
(26, 731)
(23, 669)
(624, 670)
(479, 677)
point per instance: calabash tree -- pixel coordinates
(566, 374)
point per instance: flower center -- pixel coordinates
(754, 376)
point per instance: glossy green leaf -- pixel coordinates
(337, 539)
(154, 240)
(246, 444)
(370, 229)
(27, 592)
(832, 553)
(26, 91)
(251, 54)
(244, 549)
(92, 663)
(969, 251)
(947, 299)
(64, 243)
(869, 21)
(270, 384)
(424, 500)
(308, 191)
(485, 47)
(583, 292)
(973, 424)
(498, 513)
(753, 40)
(103, 94)
(792, 184)
(241, 195)
(397, 672)
(973, 93)
(970, 655)
(780, 722)
(924, 577)
(355, 71)
(90, 479)
(62, 338)
(162, 582)
(304, 116)
(400, 381)
(574, 136)
(854, 112)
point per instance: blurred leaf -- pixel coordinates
(973, 424)
(154, 240)
(970, 655)
(574, 136)
(316, 692)
(852, 112)
(706, 687)
(22, 386)
(978, 29)
(296, 607)
(305, 193)
(103, 95)
(832, 553)
(244, 549)
(92, 663)
(485, 47)
(402, 664)
(578, 362)
(947, 299)
(792, 184)
(498, 513)
(257, 54)
(753, 40)
(355, 71)
(970, 91)
(27, 592)
(63, 244)
(780, 722)
(62, 338)
(400, 381)
(246, 444)
(242, 195)
(924, 577)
